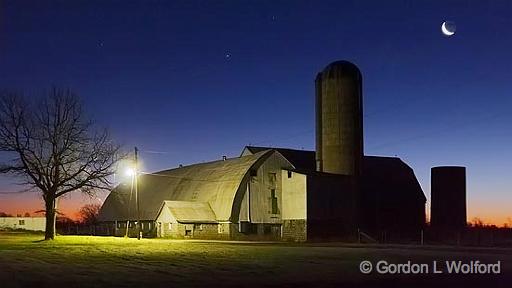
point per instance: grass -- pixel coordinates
(86, 261)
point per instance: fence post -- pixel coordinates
(422, 237)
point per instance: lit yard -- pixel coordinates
(81, 261)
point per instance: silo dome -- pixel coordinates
(341, 68)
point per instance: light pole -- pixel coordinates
(130, 172)
(139, 232)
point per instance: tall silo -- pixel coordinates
(448, 196)
(339, 119)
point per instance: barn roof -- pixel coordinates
(190, 211)
(301, 159)
(388, 176)
(215, 183)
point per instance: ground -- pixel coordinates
(86, 261)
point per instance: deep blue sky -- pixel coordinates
(201, 79)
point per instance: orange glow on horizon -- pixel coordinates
(69, 206)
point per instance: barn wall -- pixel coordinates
(294, 204)
(166, 223)
(294, 195)
(205, 231)
(331, 207)
(295, 230)
(223, 230)
(255, 231)
(192, 231)
(167, 229)
(267, 178)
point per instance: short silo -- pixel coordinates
(448, 197)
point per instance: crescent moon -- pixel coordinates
(446, 31)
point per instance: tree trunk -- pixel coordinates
(51, 214)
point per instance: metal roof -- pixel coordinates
(190, 211)
(216, 183)
(301, 159)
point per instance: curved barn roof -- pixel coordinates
(216, 183)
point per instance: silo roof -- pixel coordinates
(340, 67)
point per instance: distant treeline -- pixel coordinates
(3, 214)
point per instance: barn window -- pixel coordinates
(170, 226)
(273, 201)
(198, 226)
(272, 179)
(289, 174)
(21, 222)
(188, 232)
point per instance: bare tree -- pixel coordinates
(55, 148)
(477, 222)
(89, 213)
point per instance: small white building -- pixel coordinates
(184, 219)
(25, 223)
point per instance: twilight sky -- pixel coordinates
(201, 79)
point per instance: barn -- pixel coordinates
(267, 194)
(334, 192)
(233, 198)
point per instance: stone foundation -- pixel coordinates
(295, 230)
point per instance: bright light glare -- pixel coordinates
(130, 172)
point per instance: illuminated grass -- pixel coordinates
(108, 261)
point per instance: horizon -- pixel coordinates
(72, 203)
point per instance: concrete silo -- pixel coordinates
(448, 196)
(339, 119)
